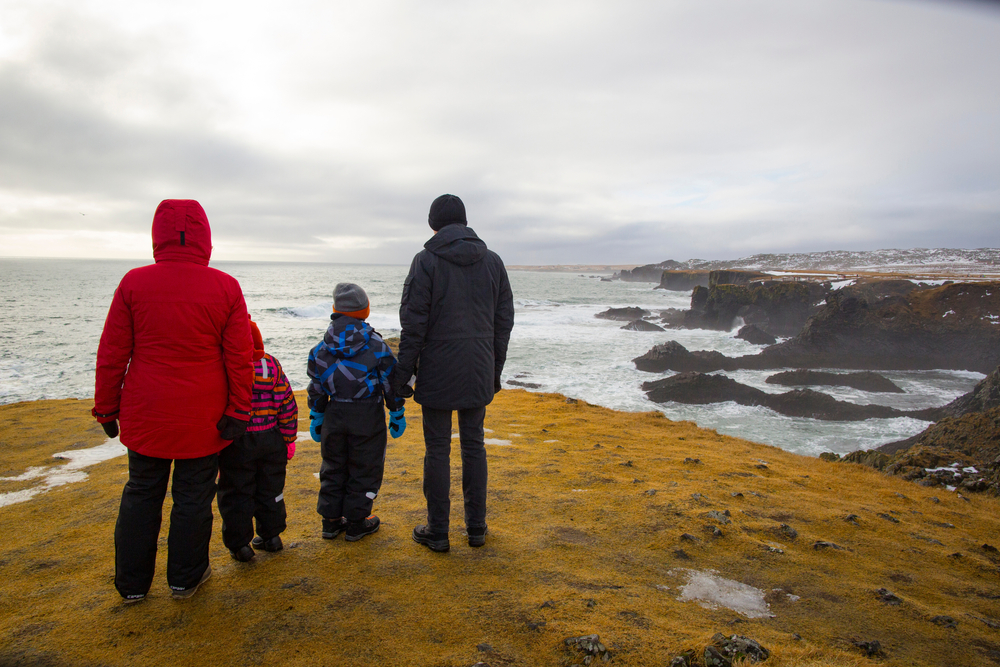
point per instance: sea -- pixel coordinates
(52, 312)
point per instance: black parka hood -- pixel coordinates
(457, 244)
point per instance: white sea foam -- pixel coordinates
(711, 590)
(58, 475)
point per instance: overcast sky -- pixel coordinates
(576, 131)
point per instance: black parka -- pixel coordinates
(456, 315)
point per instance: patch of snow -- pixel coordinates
(579, 490)
(303, 436)
(950, 312)
(970, 469)
(548, 441)
(712, 590)
(514, 435)
(840, 284)
(950, 488)
(53, 476)
(498, 442)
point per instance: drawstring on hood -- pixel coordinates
(181, 232)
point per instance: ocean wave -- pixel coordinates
(319, 310)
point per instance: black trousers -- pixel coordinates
(141, 512)
(252, 486)
(437, 466)
(353, 450)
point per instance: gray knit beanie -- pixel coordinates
(349, 298)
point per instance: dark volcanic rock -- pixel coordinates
(695, 388)
(650, 273)
(777, 307)
(984, 396)
(682, 281)
(751, 333)
(949, 327)
(675, 357)
(865, 381)
(642, 325)
(735, 277)
(623, 314)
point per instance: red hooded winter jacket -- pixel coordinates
(176, 352)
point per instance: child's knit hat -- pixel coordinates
(350, 300)
(258, 341)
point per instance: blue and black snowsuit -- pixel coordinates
(349, 381)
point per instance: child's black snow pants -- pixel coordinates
(353, 450)
(252, 486)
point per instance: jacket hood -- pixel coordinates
(457, 244)
(181, 232)
(347, 336)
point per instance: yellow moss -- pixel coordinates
(587, 507)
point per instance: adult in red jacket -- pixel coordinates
(175, 370)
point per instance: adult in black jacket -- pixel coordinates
(456, 315)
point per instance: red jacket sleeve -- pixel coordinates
(113, 355)
(237, 355)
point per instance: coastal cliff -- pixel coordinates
(654, 535)
(955, 326)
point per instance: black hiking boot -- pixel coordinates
(244, 554)
(433, 541)
(271, 545)
(333, 527)
(358, 529)
(477, 536)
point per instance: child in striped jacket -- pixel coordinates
(252, 468)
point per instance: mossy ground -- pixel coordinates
(578, 544)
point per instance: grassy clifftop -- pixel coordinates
(600, 522)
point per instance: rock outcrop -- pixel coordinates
(629, 314)
(683, 281)
(698, 388)
(642, 325)
(751, 333)
(735, 277)
(954, 326)
(962, 450)
(865, 381)
(779, 308)
(650, 273)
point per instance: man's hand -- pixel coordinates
(231, 428)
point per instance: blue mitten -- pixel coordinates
(316, 421)
(397, 422)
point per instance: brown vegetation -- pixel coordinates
(594, 517)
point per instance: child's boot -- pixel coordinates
(358, 529)
(333, 527)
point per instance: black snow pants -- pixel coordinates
(141, 512)
(353, 450)
(252, 486)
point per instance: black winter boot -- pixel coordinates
(358, 529)
(271, 545)
(333, 527)
(433, 541)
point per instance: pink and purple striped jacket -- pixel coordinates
(273, 403)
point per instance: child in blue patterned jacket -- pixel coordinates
(348, 385)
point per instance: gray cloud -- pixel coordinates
(576, 132)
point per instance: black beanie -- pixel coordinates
(446, 210)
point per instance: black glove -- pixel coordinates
(496, 384)
(111, 428)
(231, 428)
(399, 382)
